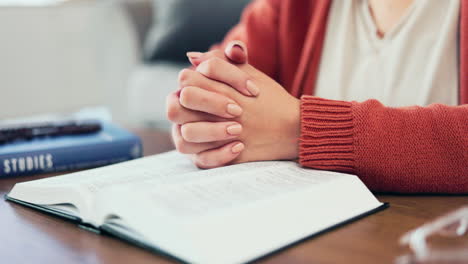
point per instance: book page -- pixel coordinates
(225, 187)
(79, 188)
(204, 192)
(170, 167)
(252, 208)
(149, 168)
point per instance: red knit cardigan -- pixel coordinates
(404, 149)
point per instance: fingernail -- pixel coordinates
(194, 58)
(234, 45)
(237, 148)
(238, 46)
(202, 68)
(234, 130)
(194, 54)
(234, 109)
(252, 88)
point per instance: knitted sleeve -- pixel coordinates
(408, 149)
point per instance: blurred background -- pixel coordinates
(63, 55)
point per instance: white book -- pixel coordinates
(232, 214)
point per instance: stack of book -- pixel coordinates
(44, 154)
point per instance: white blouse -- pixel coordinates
(415, 63)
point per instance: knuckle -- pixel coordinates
(184, 76)
(187, 132)
(173, 110)
(181, 145)
(214, 54)
(218, 54)
(211, 65)
(202, 161)
(200, 166)
(186, 96)
(216, 61)
(197, 97)
(172, 114)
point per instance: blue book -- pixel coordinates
(111, 144)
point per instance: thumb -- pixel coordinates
(236, 51)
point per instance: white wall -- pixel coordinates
(65, 57)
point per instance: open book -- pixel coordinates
(231, 214)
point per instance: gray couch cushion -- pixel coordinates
(189, 25)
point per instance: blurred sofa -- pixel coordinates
(149, 83)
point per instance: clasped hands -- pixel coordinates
(226, 111)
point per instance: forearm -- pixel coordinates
(411, 149)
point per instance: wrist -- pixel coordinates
(292, 125)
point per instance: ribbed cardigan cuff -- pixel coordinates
(326, 140)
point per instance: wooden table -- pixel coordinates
(27, 236)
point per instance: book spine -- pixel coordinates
(68, 159)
